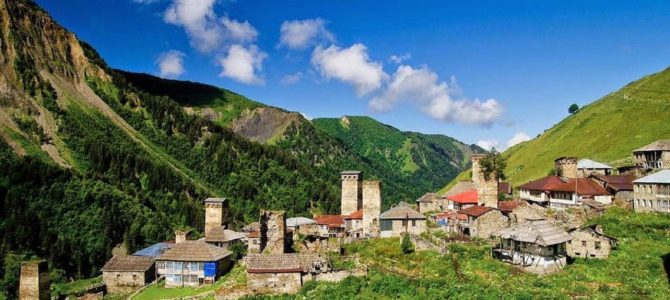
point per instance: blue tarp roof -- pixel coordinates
(154, 250)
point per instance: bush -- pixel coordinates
(406, 245)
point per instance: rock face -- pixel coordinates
(34, 283)
(487, 190)
(264, 124)
(273, 231)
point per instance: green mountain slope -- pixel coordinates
(425, 162)
(607, 130)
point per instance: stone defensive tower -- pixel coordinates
(273, 231)
(372, 206)
(487, 190)
(34, 282)
(215, 213)
(351, 190)
(566, 167)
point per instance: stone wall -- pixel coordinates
(273, 231)
(583, 245)
(566, 167)
(34, 282)
(398, 229)
(487, 190)
(372, 206)
(488, 224)
(350, 192)
(123, 282)
(274, 283)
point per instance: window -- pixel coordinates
(118, 276)
(577, 254)
(583, 243)
(134, 277)
(597, 245)
(404, 223)
(413, 223)
(593, 255)
(169, 265)
(160, 265)
(254, 241)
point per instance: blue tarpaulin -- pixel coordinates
(210, 269)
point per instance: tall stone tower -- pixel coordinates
(487, 190)
(351, 189)
(34, 282)
(372, 206)
(566, 167)
(215, 212)
(273, 231)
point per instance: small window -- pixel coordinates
(577, 254)
(597, 245)
(413, 223)
(118, 276)
(584, 243)
(134, 276)
(593, 255)
(404, 222)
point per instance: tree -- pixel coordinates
(573, 108)
(406, 244)
(493, 164)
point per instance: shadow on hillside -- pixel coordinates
(666, 265)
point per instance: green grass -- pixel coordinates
(405, 152)
(633, 271)
(74, 286)
(465, 175)
(236, 276)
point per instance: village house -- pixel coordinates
(619, 186)
(559, 193)
(653, 156)
(463, 200)
(428, 203)
(192, 263)
(652, 193)
(283, 273)
(481, 221)
(536, 245)
(401, 219)
(330, 225)
(353, 224)
(587, 167)
(590, 242)
(254, 242)
(124, 274)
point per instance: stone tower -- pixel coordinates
(34, 282)
(273, 231)
(566, 167)
(351, 189)
(215, 212)
(487, 190)
(372, 206)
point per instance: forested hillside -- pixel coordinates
(93, 157)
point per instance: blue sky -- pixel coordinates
(480, 71)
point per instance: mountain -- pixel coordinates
(92, 157)
(607, 130)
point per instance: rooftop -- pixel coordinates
(591, 164)
(215, 200)
(330, 220)
(155, 250)
(467, 197)
(253, 226)
(128, 263)
(299, 221)
(509, 206)
(220, 234)
(617, 182)
(475, 211)
(357, 215)
(460, 187)
(350, 172)
(583, 186)
(427, 198)
(195, 251)
(282, 263)
(662, 176)
(660, 145)
(539, 232)
(401, 211)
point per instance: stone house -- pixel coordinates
(619, 186)
(590, 242)
(463, 200)
(401, 219)
(653, 156)
(587, 167)
(193, 263)
(481, 221)
(283, 273)
(652, 193)
(560, 193)
(537, 246)
(353, 224)
(254, 242)
(330, 225)
(124, 274)
(428, 203)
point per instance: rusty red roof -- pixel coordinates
(330, 220)
(542, 183)
(357, 215)
(467, 197)
(508, 206)
(475, 211)
(618, 183)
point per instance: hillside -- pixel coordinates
(607, 130)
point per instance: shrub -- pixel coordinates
(406, 245)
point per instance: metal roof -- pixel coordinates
(195, 251)
(591, 164)
(299, 221)
(662, 176)
(539, 232)
(154, 250)
(660, 145)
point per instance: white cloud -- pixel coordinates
(298, 34)
(399, 59)
(351, 65)
(421, 86)
(171, 64)
(291, 78)
(519, 137)
(306, 116)
(242, 64)
(239, 31)
(488, 144)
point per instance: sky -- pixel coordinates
(483, 72)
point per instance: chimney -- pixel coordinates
(566, 167)
(215, 212)
(180, 236)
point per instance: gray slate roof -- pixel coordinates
(128, 263)
(427, 198)
(283, 263)
(461, 186)
(219, 234)
(591, 164)
(539, 232)
(195, 251)
(299, 221)
(662, 176)
(660, 145)
(401, 211)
